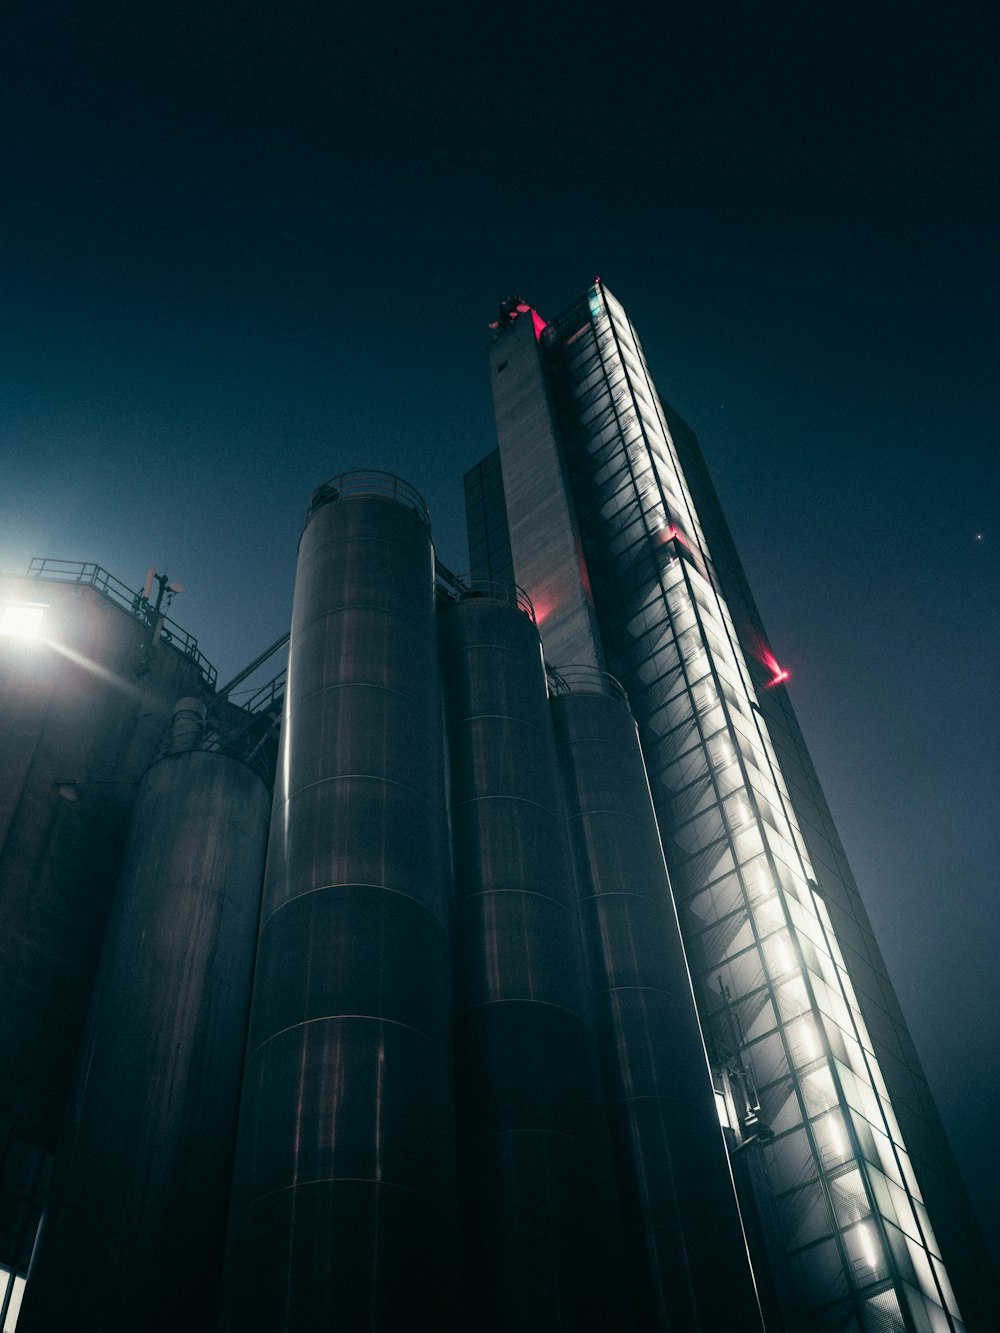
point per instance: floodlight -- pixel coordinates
(22, 620)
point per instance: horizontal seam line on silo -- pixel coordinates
(301, 699)
(352, 884)
(493, 647)
(505, 796)
(609, 990)
(358, 606)
(529, 893)
(329, 1018)
(501, 717)
(340, 777)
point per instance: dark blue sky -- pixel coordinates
(246, 247)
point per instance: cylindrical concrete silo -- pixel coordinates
(134, 1234)
(687, 1254)
(343, 1193)
(540, 1223)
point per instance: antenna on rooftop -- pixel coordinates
(166, 588)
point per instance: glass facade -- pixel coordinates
(24, 1180)
(11, 1291)
(842, 1232)
(489, 541)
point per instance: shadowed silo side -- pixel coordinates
(686, 1249)
(540, 1223)
(343, 1192)
(82, 712)
(133, 1237)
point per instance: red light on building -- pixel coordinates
(585, 577)
(543, 609)
(778, 673)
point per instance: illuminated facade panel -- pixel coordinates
(839, 1232)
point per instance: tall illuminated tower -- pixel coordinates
(598, 502)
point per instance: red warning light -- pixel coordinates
(778, 673)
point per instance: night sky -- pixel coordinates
(246, 247)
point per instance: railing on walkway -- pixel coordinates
(87, 572)
(585, 680)
(459, 588)
(365, 482)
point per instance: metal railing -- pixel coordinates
(86, 572)
(586, 680)
(236, 727)
(511, 594)
(461, 589)
(226, 690)
(268, 695)
(386, 485)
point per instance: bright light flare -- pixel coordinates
(778, 673)
(96, 669)
(26, 621)
(22, 620)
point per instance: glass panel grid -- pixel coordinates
(790, 964)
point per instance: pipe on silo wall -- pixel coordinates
(134, 1235)
(686, 1248)
(540, 1222)
(343, 1193)
(187, 726)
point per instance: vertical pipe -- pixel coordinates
(134, 1234)
(686, 1249)
(344, 1184)
(540, 1216)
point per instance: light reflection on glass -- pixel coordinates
(867, 1243)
